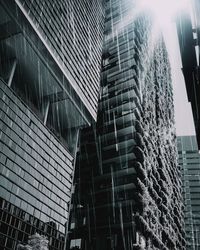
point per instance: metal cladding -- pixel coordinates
(189, 160)
(36, 176)
(127, 182)
(50, 59)
(73, 33)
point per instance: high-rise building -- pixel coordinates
(50, 59)
(127, 188)
(188, 27)
(189, 160)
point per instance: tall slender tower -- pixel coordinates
(127, 184)
(188, 27)
(189, 160)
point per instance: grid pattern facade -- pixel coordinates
(189, 160)
(17, 225)
(36, 170)
(73, 31)
(127, 182)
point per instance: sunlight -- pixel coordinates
(164, 11)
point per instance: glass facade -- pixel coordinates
(189, 160)
(17, 225)
(73, 31)
(36, 169)
(50, 58)
(127, 182)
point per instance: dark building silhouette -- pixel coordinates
(188, 28)
(189, 160)
(50, 58)
(127, 181)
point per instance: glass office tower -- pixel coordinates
(189, 160)
(127, 182)
(50, 58)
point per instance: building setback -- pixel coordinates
(50, 58)
(189, 160)
(127, 188)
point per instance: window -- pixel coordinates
(75, 244)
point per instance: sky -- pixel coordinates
(165, 12)
(183, 112)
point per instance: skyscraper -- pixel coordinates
(189, 160)
(127, 182)
(50, 57)
(188, 25)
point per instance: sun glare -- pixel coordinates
(164, 10)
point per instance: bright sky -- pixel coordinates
(183, 112)
(164, 12)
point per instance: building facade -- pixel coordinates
(127, 188)
(50, 58)
(188, 26)
(189, 160)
